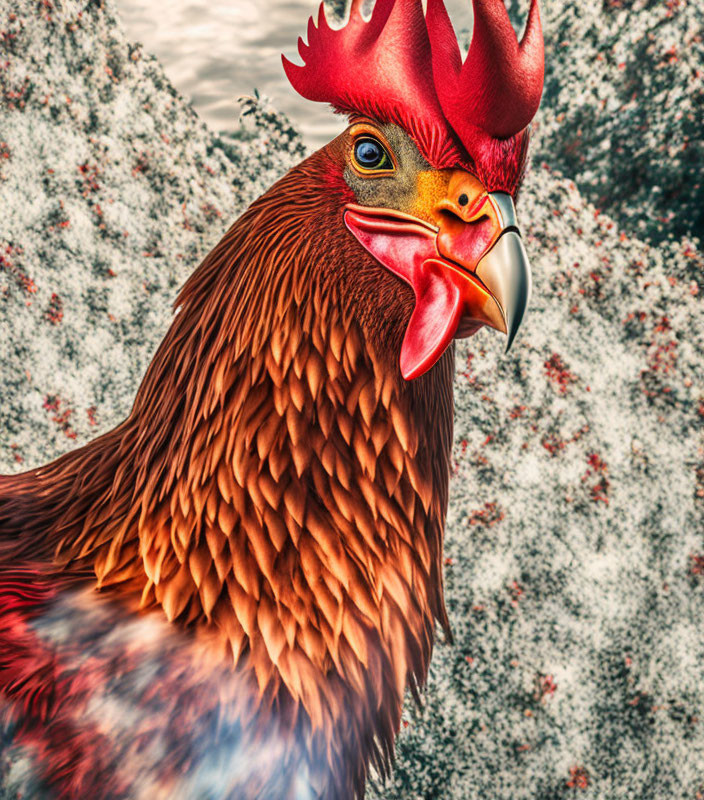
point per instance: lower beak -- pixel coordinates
(469, 271)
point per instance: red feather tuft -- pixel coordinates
(469, 115)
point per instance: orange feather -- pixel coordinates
(278, 488)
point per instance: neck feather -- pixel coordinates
(277, 483)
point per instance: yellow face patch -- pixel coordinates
(406, 183)
(431, 187)
(445, 190)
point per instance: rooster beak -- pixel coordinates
(467, 270)
(482, 236)
(505, 270)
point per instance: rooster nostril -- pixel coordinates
(463, 199)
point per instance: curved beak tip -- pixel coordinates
(505, 272)
(510, 337)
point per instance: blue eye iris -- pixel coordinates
(369, 154)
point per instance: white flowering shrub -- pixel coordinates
(623, 109)
(111, 191)
(574, 551)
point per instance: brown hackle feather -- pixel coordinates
(277, 489)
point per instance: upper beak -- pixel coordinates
(467, 270)
(505, 272)
(504, 268)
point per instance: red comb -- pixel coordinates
(405, 67)
(498, 87)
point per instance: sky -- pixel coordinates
(216, 51)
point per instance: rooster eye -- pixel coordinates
(369, 154)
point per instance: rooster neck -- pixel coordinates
(301, 522)
(284, 461)
(302, 516)
(278, 487)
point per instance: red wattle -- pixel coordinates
(408, 249)
(439, 306)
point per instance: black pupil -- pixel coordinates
(369, 153)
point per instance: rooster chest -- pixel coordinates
(132, 705)
(298, 527)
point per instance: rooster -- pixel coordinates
(228, 595)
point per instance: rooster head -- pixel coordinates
(433, 156)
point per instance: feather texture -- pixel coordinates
(278, 490)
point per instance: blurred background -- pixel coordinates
(215, 52)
